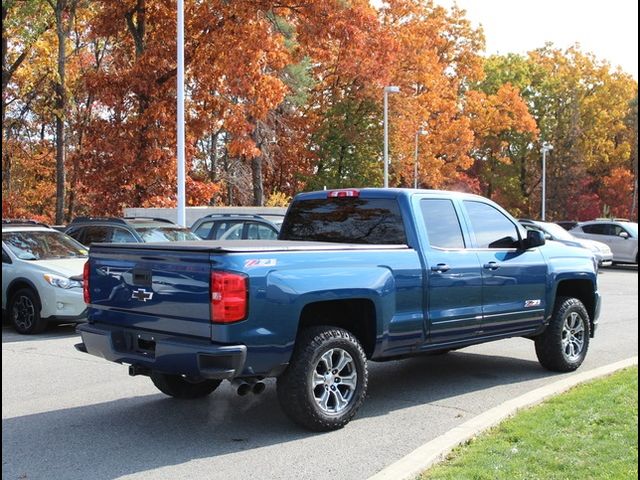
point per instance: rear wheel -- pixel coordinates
(182, 387)
(326, 380)
(24, 312)
(563, 346)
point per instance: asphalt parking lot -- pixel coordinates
(66, 415)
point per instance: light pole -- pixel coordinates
(546, 147)
(421, 131)
(180, 116)
(387, 91)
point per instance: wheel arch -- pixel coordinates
(582, 289)
(19, 284)
(356, 315)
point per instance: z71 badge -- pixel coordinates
(532, 303)
(260, 262)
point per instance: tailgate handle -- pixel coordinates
(141, 277)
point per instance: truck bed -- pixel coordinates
(248, 246)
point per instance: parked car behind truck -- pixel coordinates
(90, 230)
(555, 232)
(620, 235)
(357, 276)
(41, 276)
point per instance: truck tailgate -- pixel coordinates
(155, 290)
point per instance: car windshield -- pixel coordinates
(166, 234)
(42, 245)
(557, 232)
(633, 228)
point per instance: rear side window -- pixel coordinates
(258, 231)
(120, 235)
(204, 229)
(231, 231)
(345, 220)
(225, 230)
(596, 229)
(441, 220)
(491, 227)
(96, 234)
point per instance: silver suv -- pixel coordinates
(41, 276)
(620, 235)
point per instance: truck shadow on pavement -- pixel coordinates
(134, 435)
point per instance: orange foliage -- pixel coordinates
(288, 94)
(617, 192)
(437, 55)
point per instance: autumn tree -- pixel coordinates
(617, 192)
(437, 58)
(22, 27)
(283, 95)
(502, 125)
(64, 12)
(580, 105)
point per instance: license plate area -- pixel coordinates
(145, 344)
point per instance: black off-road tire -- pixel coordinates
(296, 393)
(179, 387)
(552, 348)
(24, 312)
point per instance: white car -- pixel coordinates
(620, 235)
(555, 232)
(41, 276)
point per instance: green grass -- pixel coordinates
(590, 432)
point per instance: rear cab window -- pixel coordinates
(442, 223)
(358, 220)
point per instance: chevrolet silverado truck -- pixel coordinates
(355, 276)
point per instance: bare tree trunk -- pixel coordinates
(256, 176)
(60, 111)
(64, 11)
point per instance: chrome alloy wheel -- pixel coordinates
(573, 336)
(334, 381)
(24, 313)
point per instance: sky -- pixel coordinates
(608, 29)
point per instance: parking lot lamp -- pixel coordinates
(387, 91)
(546, 147)
(180, 117)
(421, 131)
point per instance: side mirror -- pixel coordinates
(534, 239)
(624, 235)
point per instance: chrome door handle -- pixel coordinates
(491, 266)
(440, 268)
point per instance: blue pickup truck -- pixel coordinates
(356, 276)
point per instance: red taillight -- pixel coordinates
(343, 193)
(228, 297)
(85, 283)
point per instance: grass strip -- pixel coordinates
(589, 432)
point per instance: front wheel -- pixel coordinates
(563, 346)
(24, 311)
(178, 386)
(326, 380)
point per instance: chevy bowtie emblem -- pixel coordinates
(142, 295)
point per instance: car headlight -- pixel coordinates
(593, 248)
(61, 282)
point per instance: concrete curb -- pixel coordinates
(437, 449)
